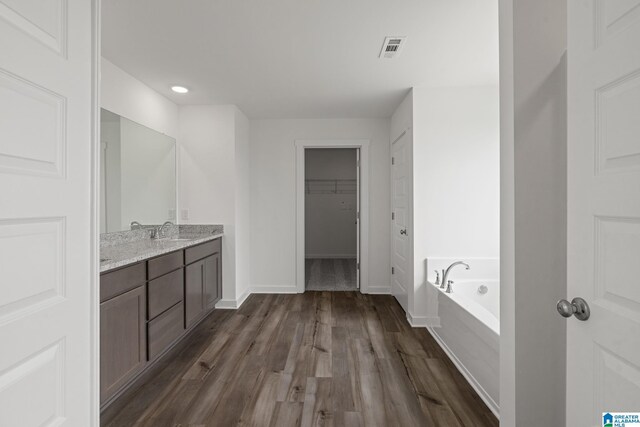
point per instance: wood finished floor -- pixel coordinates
(323, 274)
(312, 359)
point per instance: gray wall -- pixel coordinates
(534, 208)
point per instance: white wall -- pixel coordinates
(534, 209)
(128, 97)
(214, 185)
(273, 203)
(456, 183)
(243, 205)
(208, 177)
(330, 218)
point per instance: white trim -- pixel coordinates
(257, 289)
(423, 321)
(233, 304)
(493, 406)
(94, 241)
(330, 256)
(363, 145)
(507, 394)
(379, 290)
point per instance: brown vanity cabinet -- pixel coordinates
(203, 280)
(145, 309)
(123, 335)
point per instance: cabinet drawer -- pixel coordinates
(165, 329)
(165, 263)
(164, 292)
(202, 251)
(120, 281)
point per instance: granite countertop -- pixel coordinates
(124, 248)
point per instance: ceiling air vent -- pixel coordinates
(392, 47)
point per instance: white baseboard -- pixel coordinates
(331, 256)
(257, 289)
(233, 304)
(227, 304)
(379, 290)
(493, 406)
(423, 321)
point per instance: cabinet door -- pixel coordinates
(122, 340)
(212, 280)
(194, 292)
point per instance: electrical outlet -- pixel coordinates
(172, 215)
(184, 214)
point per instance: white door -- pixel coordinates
(400, 218)
(603, 353)
(46, 226)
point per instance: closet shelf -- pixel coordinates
(331, 186)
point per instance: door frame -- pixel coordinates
(94, 238)
(532, 270)
(301, 145)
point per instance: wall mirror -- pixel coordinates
(137, 174)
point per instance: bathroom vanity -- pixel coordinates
(153, 292)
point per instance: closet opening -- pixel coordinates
(331, 199)
(332, 215)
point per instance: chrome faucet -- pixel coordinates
(445, 275)
(135, 223)
(449, 286)
(159, 232)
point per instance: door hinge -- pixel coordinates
(393, 215)
(393, 160)
(393, 270)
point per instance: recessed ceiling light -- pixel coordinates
(179, 89)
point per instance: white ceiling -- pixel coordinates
(301, 58)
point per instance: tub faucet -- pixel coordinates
(445, 275)
(449, 286)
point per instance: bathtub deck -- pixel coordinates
(318, 358)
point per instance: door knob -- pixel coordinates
(577, 307)
(403, 231)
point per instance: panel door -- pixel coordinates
(194, 292)
(603, 353)
(123, 340)
(400, 233)
(47, 258)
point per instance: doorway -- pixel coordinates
(332, 215)
(331, 219)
